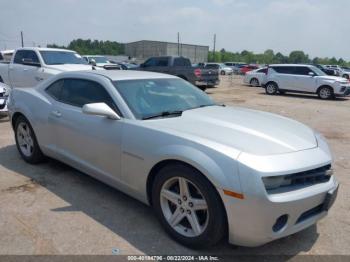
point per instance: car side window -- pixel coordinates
(150, 62)
(289, 70)
(25, 54)
(302, 70)
(18, 59)
(162, 61)
(78, 92)
(55, 89)
(182, 62)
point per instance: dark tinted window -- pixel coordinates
(25, 54)
(302, 70)
(212, 66)
(79, 92)
(262, 70)
(55, 89)
(161, 61)
(150, 62)
(182, 62)
(284, 69)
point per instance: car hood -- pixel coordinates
(246, 130)
(332, 78)
(70, 67)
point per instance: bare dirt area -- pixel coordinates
(54, 209)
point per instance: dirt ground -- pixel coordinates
(54, 209)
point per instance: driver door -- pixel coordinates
(25, 75)
(91, 142)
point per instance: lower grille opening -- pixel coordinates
(310, 213)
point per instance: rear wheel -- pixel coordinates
(188, 206)
(254, 82)
(325, 92)
(271, 88)
(26, 142)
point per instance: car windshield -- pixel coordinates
(61, 57)
(152, 97)
(318, 71)
(99, 59)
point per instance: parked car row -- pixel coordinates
(298, 79)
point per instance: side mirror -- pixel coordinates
(92, 62)
(311, 74)
(100, 109)
(30, 62)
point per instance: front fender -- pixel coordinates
(222, 171)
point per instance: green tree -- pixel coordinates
(298, 57)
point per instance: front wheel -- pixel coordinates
(188, 206)
(26, 142)
(325, 92)
(223, 73)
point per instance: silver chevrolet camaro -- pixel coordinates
(208, 170)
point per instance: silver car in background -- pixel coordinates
(207, 170)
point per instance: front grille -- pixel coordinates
(311, 177)
(303, 179)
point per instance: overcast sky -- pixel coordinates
(318, 27)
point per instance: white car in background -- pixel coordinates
(304, 79)
(102, 62)
(222, 68)
(4, 92)
(256, 77)
(31, 65)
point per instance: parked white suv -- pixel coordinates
(304, 79)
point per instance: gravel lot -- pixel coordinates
(54, 209)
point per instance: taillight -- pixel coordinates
(197, 72)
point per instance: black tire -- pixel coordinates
(271, 88)
(217, 225)
(203, 88)
(223, 73)
(325, 93)
(254, 82)
(36, 156)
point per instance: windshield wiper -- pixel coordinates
(163, 114)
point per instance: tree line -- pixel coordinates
(93, 47)
(96, 47)
(269, 57)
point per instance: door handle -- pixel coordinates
(37, 78)
(56, 113)
(25, 69)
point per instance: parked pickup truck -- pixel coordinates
(29, 66)
(181, 67)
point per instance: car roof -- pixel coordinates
(45, 49)
(295, 65)
(118, 75)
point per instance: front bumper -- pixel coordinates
(346, 91)
(207, 82)
(3, 107)
(251, 220)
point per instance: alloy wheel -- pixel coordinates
(25, 139)
(325, 93)
(184, 207)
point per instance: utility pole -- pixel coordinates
(22, 38)
(178, 43)
(214, 47)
